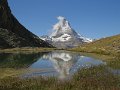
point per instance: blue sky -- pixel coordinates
(90, 18)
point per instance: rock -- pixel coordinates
(13, 34)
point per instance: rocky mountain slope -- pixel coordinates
(64, 36)
(13, 34)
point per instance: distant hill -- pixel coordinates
(13, 34)
(108, 45)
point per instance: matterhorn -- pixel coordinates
(64, 36)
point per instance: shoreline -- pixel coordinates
(26, 50)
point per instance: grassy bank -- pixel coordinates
(94, 78)
(10, 72)
(26, 50)
(105, 46)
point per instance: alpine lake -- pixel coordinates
(88, 71)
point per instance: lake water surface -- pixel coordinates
(61, 64)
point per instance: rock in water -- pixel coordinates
(13, 34)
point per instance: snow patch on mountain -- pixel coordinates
(87, 40)
(62, 38)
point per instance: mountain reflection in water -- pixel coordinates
(61, 64)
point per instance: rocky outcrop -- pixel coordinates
(13, 34)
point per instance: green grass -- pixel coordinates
(10, 72)
(106, 46)
(26, 50)
(94, 78)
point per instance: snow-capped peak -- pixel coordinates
(61, 27)
(64, 36)
(62, 24)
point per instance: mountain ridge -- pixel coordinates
(13, 34)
